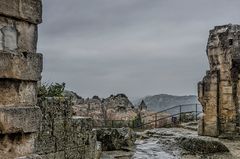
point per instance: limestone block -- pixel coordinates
(210, 118)
(227, 89)
(228, 114)
(211, 108)
(226, 99)
(17, 93)
(20, 36)
(10, 38)
(21, 66)
(211, 94)
(19, 119)
(210, 129)
(224, 83)
(229, 127)
(27, 10)
(27, 37)
(18, 144)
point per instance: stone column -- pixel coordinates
(219, 92)
(20, 70)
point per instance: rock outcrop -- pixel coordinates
(20, 70)
(198, 145)
(219, 91)
(116, 139)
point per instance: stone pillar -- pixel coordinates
(20, 70)
(219, 91)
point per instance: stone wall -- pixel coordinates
(63, 136)
(219, 91)
(20, 70)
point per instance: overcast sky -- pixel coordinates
(136, 47)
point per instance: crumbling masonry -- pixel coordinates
(27, 131)
(219, 91)
(20, 70)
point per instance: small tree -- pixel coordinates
(52, 90)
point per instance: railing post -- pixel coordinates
(196, 111)
(180, 113)
(156, 120)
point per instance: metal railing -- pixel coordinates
(170, 116)
(175, 115)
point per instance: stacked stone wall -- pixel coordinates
(63, 136)
(20, 70)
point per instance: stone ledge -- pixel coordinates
(19, 120)
(27, 10)
(25, 66)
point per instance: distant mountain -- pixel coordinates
(165, 101)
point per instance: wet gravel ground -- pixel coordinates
(161, 144)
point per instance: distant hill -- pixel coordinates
(165, 101)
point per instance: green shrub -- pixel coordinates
(52, 90)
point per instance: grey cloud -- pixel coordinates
(137, 47)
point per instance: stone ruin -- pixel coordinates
(20, 71)
(62, 135)
(49, 131)
(219, 91)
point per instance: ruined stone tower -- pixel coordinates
(20, 70)
(219, 91)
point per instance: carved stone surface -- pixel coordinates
(25, 66)
(17, 36)
(219, 91)
(17, 93)
(27, 10)
(19, 120)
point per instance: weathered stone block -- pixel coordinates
(17, 144)
(17, 36)
(227, 90)
(17, 93)
(210, 129)
(27, 37)
(23, 66)
(9, 38)
(19, 120)
(28, 10)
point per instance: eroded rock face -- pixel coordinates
(219, 91)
